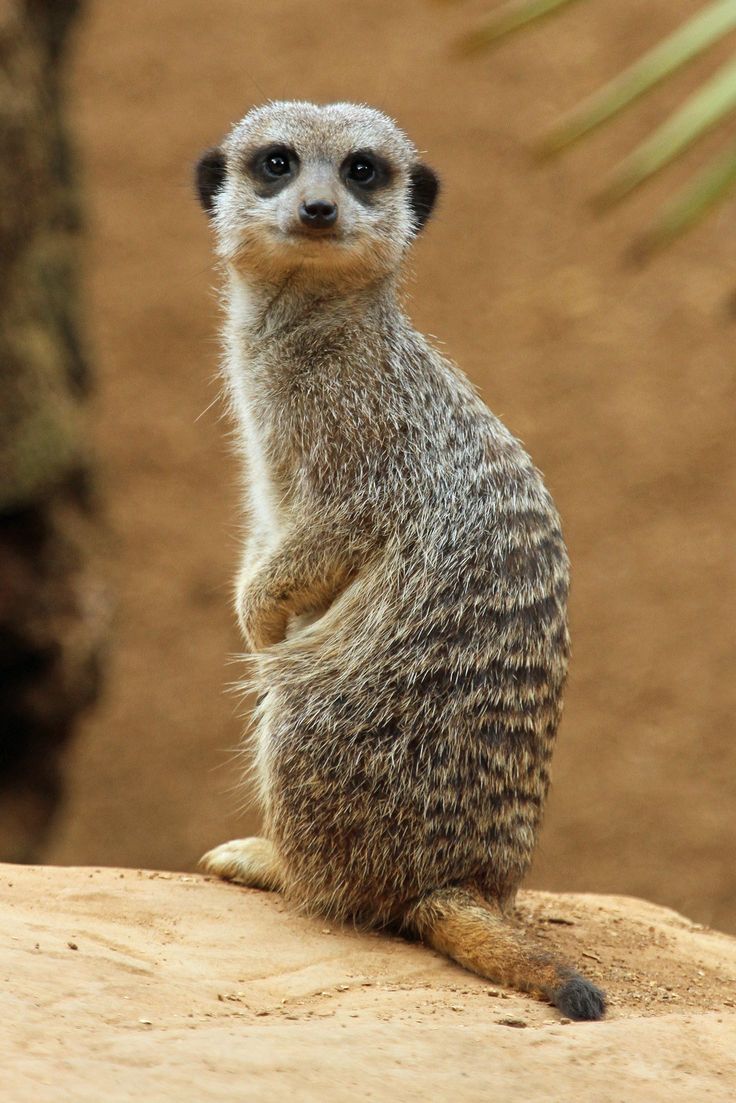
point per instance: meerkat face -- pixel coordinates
(337, 192)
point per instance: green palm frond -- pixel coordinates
(691, 205)
(669, 55)
(510, 17)
(714, 101)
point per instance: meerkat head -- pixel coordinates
(336, 192)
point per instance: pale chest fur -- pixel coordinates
(264, 497)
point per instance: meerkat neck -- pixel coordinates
(258, 308)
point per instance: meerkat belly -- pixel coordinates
(381, 825)
(439, 795)
(400, 760)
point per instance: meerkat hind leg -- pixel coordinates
(251, 862)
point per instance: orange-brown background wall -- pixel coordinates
(619, 380)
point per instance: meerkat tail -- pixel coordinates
(465, 927)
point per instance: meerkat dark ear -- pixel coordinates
(209, 176)
(424, 187)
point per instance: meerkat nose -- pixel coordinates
(318, 214)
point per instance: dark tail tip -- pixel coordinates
(578, 999)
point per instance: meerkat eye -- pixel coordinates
(272, 167)
(361, 170)
(364, 172)
(277, 163)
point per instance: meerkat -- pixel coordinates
(403, 591)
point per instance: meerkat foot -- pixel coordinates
(252, 862)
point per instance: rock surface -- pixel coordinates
(128, 984)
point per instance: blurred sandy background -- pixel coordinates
(620, 382)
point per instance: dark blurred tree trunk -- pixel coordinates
(52, 612)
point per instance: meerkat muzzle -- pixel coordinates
(318, 214)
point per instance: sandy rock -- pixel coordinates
(125, 984)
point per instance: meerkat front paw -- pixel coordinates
(262, 623)
(252, 862)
